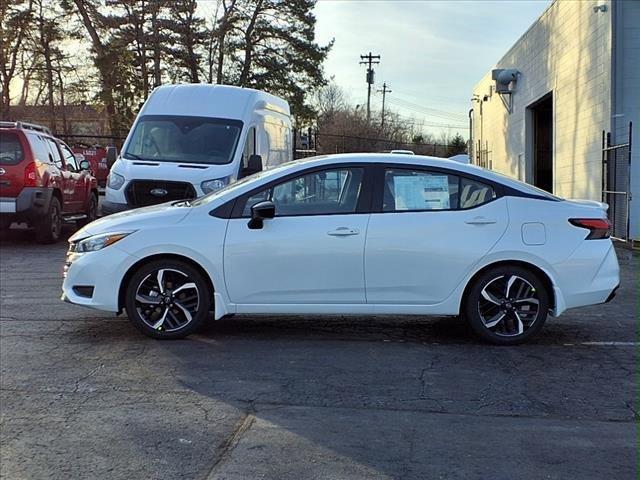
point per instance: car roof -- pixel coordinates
(412, 160)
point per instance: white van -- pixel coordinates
(189, 140)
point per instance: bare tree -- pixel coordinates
(16, 17)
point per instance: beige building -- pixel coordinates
(539, 114)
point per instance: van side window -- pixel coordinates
(249, 147)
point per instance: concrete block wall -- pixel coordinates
(567, 52)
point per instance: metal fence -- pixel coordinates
(616, 183)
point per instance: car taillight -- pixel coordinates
(599, 228)
(31, 175)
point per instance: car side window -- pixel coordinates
(474, 193)
(319, 193)
(69, 158)
(419, 190)
(55, 153)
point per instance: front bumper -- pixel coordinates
(112, 207)
(103, 271)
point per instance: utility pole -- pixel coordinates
(384, 92)
(369, 60)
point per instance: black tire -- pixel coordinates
(165, 314)
(5, 224)
(49, 228)
(506, 305)
(91, 212)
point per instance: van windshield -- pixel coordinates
(168, 138)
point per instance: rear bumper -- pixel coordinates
(30, 204)
(590, 276)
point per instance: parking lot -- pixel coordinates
(84, 395)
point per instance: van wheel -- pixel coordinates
(507, 305)
(167, 299)
(49, 228)
(91, 212)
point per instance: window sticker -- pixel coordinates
(423, 192)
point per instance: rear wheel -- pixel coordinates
(507, 305)
(92, 211)
(167, 299)
(49, 228)
(5, 223)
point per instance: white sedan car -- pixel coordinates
(351, 234)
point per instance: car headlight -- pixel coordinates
(115, 181)
(209, 186)
(98, 242)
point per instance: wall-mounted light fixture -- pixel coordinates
(600, 8)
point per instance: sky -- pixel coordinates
(432, 52)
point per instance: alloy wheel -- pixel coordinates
(167, 299)
(508, 305)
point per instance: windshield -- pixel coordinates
(169, 138)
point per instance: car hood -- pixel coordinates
(163, 214)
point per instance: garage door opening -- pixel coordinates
(541, 115)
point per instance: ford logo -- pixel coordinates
(159, 192)
(2, 171)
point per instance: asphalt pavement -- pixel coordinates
(84, 395)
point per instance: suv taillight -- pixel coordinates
(31, 175)
(599, 228)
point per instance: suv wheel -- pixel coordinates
(506, 305)
(48, 229)
(167, 299)
(92, 212)
(5, 223)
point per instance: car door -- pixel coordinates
(312, 251)
(79, 177)
(431, 227)
(69, 201)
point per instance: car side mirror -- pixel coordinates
(112, 155)
(260, 212)
(85, 165)
(254, 165)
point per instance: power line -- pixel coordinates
(429, 111)
(369, 60)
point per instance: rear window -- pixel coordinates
(11, 152)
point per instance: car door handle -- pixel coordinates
(343, 232)
(480, 221)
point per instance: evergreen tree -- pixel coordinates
(456, 145)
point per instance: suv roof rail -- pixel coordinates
(26, 126)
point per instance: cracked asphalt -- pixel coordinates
(83, 395)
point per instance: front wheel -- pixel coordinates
(506, 305)
(92, 211)
(167, 299)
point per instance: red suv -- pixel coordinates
(41, 181)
